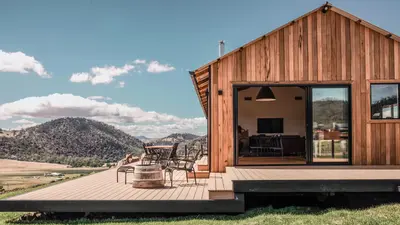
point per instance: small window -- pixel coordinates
(385, 101)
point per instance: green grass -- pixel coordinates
(387, 214)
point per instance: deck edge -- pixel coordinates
(235, 205)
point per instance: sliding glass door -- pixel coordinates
(330, 124)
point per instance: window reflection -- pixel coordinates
(384, 101)
(330, 124)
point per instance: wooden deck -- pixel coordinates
(103, 186)
(316, 179)
(314, 173)
(221, 192)
(100, 192)
(220, 186)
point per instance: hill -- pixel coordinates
(176, 137)
(329, 111)
(145, 139)
(73, 141)
(191, 140)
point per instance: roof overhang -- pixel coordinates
(200, 79)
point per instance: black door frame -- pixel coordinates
(309, 136)
(309, 123)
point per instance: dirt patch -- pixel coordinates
(21, 174)
(7, 166)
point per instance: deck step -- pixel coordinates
(199, 174)
(218, 195)
(202, 167)
(220, 186)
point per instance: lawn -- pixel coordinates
(388, 214)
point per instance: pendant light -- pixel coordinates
(265, 95)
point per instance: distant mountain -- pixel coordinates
(192, 141)
(326, 112)
(176, 137)
(72, 141)
(202, 140)
(145, 139)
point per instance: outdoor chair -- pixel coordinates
(164, 157)
(204, 150)
(149, 155)
(125, 170)
(185, 164)
(174, 153)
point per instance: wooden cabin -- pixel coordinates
(322, 89)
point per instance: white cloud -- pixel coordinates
(23, 121)
(105, 75)
(121, 84)
(99, 98)
(2, 117)
(80, 77)
(23, 124)
(132, 120)
(19, 62)
(139, 61)
(156, 131)
(101, 75)
(156, 67)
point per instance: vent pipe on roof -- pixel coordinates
(221, 48)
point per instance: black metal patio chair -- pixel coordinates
(184, 164)
(150, 156)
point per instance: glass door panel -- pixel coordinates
(330, 124)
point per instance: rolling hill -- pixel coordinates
(72, 141)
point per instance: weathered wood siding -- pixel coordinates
(317, 48)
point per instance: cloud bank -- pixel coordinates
(19, 62)
(156, 67)
(101, 75)
(130, 119)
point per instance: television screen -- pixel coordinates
(269, 125)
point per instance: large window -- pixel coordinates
(385, 101)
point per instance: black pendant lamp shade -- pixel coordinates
(265, 95)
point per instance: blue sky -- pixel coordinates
(100, 41)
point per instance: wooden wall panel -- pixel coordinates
(320, 48)
(385, 143)
(214, 118)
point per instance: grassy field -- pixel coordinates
(388, 214)
(20, 174)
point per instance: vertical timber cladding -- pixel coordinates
(318, 48)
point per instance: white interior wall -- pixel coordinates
(285, 106)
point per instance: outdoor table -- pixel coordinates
(157, 149)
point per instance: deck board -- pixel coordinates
(103, 186)
(203, 161)
(314, 173)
